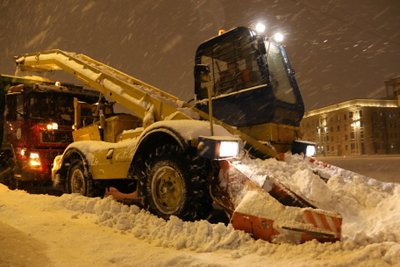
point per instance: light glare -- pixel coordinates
(22, 152)
(34, 159)
(278, 37)
(228, 149)
(52, 126)
(310, 150)
(260, 27)
(34, 155)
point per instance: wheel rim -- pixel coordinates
(78, 182)
(167, 189)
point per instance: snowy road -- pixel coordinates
(381, 167)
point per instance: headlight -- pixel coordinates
(218, 147)
(304, 147)
(52, 126)
(34, 159)
(310, 151)
(228, 149)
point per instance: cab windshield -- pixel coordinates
(45, 106)
(233, 65)
(278, 74)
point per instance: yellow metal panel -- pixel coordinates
(129, 134)
(115, 125)
(87, 133)
(111, 162)
(107, 170)
(280, 136)
(272, 132)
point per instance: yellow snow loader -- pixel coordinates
(176, 157)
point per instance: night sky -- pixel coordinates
(340, 49)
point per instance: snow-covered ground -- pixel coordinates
(72, 230)
(381, 167)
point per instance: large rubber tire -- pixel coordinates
(174, 184)
(79, 180)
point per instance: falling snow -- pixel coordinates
(344, 48)
(339, 49)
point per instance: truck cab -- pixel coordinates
(251, 85)
(37, 125)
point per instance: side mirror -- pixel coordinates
(202, 73)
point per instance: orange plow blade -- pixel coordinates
(273, 213)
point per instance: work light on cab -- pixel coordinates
(278, 37)
(260, 28)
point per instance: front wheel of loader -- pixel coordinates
(79, 180)
(171, 187)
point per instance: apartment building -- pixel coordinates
(358, 126)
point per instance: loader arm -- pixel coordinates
(135, 95)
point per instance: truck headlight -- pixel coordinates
(34, 159)
(217, 147)
(52, 126)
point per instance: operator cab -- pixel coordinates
(250, 80)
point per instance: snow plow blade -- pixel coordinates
(271, 211)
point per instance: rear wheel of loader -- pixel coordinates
(172, 188)
(78, 180)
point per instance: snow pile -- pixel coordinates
(199, 236)
(76, 225)
(369, 208)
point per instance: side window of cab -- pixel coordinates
(14, 107)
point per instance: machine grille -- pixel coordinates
(56, 137)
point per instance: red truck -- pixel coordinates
(36, 124)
